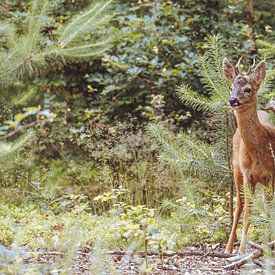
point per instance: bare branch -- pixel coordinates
(19, 129)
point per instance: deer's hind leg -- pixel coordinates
(270, 209)
(238, 178)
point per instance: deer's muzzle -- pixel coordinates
(234, 102)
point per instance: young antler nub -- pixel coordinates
(251, 66)
(238, 65)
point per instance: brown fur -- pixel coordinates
(253, 146)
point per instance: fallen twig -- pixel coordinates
(240, 260)
(256, 246)
(50, 253)
(260, 246)
(236, 258)
(179, 253)
(258, 262)
(247, 257)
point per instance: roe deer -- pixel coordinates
(253, 144)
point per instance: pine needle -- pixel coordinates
(85, 37)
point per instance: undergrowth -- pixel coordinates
(46, 224)
(67, 224)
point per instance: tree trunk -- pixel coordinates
(250, 6)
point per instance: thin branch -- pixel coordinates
(71, 56)
(74, 22)
(256, 246)
(258, 262)
(245, 259)
(37, 26)
(92, 45)
(76, 33)
(19, 129)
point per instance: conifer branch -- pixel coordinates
(89, 46)
(78, 32)
(192, 156)
(35, 24)
(71, 26)
(27, 58)
(193, 99)
(10, 150)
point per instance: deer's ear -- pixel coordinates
(259, 74)
(228, 70)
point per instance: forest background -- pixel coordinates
(89, 135)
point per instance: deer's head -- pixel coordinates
(244, 85)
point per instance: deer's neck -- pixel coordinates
(252, 131)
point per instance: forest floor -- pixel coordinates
(85, 261)
(177, 264)
(65, 238)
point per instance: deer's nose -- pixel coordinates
(233, 101)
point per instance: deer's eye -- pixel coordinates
(247, 90)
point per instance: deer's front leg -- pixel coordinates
(238, 178)
(268, 198)
(248, 195)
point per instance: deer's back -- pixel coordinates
(264, 119)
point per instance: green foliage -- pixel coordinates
(30, 53)
(10, 151)
(137, 223)
(106, 157)
(206, 219)
(267, 52)
(157, 47)
(208, 163)
(49, 225)
(6, 237)
(81, 26)
(210, 64)
(193, 157)
(267, 49)
(193, 99)
(85, 177)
